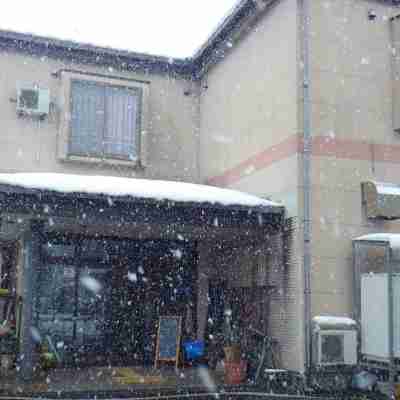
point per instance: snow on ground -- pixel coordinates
(139, 188)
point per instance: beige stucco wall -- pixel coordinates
(29, 145)
(249, 103)
(248, 124)
(276, 182)
(351, 105)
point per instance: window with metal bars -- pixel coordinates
(105, 120)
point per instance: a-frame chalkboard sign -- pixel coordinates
(168, 340)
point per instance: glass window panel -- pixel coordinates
(87, 119)
(94, 249)
(120, 134)
(58, 250)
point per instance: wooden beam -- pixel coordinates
(92, 212)
(32, 243)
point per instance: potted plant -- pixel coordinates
(8, 349)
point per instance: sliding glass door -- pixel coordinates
(73, 307)
(99, 300)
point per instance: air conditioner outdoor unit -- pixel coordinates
(32, 100)
(337, 347)
(334, 341)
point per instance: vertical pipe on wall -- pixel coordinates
(304, 35)
(197, 128)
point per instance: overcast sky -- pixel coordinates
(175, 28)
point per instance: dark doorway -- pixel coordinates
(153, 278)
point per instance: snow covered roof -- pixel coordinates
(136, 188)
(334, 322)
(392, 238)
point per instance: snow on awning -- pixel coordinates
(331, 322)
(382, 200)
(392, 238)
(135, 188)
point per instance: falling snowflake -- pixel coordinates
(364, 61)
(36, 335)
(177, 253)
(90, 283)
(132, 276)
(249, 170)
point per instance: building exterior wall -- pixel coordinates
(30, 145)
(242, 127)
(249, 140)
(353, 137)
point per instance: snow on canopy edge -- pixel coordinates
(327, 320)
(392, 238)
(133, 187)
(387, 188)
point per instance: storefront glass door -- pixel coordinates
(73, 304)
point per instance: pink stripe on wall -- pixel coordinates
(322, 146)
(325, 146)
(264, 159)
(355, 149)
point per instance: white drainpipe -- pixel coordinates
(305, 15)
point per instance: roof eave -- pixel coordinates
(246, 11)
(231, 29)
(220, 28)
(91, 54)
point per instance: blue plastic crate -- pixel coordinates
(194, 349)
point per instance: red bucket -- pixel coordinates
(235, 373)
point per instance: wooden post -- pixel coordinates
(31, 251)
(157, 346)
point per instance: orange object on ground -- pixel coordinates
(235, 373)
(397, 391)
(232, 353)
